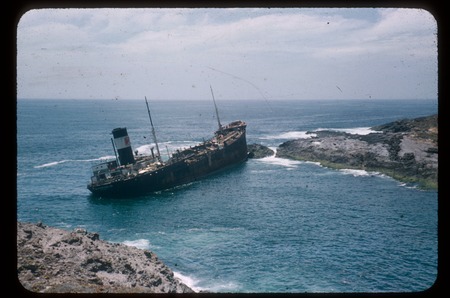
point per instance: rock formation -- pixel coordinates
(406, 150)
(51, 260)
(259, 151)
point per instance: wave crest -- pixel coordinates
(54, 163)
(303, 134)
(354, 131)
(278, 161)
(290, 135)
(189, 281)
(359, 173)
(139, 243)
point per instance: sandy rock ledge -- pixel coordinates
(51, 260)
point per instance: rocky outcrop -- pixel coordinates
(259, 151)
(406, 150)
(51, 260)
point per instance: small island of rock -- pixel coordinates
(259, 151)
(406, 150)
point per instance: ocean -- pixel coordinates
(268, 225)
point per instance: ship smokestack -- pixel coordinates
(123, 146)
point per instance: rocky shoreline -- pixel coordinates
(51, 260)
(259, 151)
(406, 150)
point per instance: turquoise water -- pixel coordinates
(269, 225)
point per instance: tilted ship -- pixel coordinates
(130, 175)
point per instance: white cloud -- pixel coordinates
(404, 21)
(291, 53)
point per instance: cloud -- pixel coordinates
(396, 22)
(286, 53)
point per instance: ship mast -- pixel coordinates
(215, 106)
(153, 130)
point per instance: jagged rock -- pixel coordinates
(259, 151)
(406, 150)
(51, 260)
(422, 127)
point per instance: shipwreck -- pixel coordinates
(131, 174)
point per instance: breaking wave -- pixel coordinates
(274, 160)
(410, 186)
(360, 173)
(194, 284)
(50, 164)
(303, 134)
(290, 135)
(139, 243)
(363, 173)
(54, 163)
(278, 161)
(189, 281)
(353, 131)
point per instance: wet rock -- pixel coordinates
(259, 151)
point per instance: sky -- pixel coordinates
(243, 53)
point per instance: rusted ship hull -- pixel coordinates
(208, 158)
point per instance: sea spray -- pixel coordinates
(54, 163)
(139, 243)
(189, 281)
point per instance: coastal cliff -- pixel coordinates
(406, 150)
(51, 260)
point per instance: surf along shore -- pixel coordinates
(51, 260)
(406, 150)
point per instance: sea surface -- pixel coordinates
(268, 225)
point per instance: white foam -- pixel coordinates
(96, 159)
(288, 163)
(359, 173)
(189, 281)
(302, 134)
(363, 173)
(353, 131)
(290, 135)
(139, 243)
(408, 185)
(193, 283)
(50, 164)
(54, 163)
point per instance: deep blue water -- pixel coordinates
(269, 225)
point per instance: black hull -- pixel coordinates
(176, 173)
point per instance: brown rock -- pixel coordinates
(52, 260)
